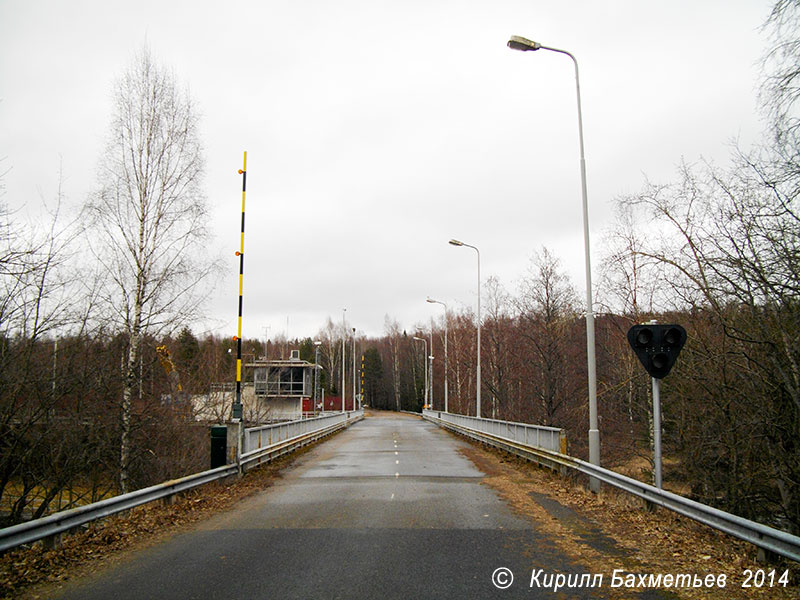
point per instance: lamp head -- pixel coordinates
(456, 243)
(517, 42)
(419, 339)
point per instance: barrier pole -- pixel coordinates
(237, 406)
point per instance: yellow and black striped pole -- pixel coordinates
(237, 405)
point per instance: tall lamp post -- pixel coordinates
(425, 342)
(430, 371)
(523, 44)
(354, 369)
(478, 376)
(344, 337)
(432, 301)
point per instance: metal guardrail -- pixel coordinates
(540, 436)
(281, 438)
(768, 538)
(63, 522)
(267, 435)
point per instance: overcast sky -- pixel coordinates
(377, 130)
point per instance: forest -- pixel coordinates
(98, 364)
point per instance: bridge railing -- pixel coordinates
(540, 436)
(537, 436)
(762, 536)
(287, 438)
(266, 442)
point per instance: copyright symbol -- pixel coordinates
(502, 578)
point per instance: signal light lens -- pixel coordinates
(672, 336)
(660, 360)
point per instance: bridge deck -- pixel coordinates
(387, 509)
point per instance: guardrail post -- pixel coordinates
(234, 443)
(53, 542)
(767, 557)
(562, 444)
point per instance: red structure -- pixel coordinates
(334, 403)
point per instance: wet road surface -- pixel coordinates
(387, 509)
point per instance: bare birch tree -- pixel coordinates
(547, 308)
(392, 329)
(331, 354)
(37, 301)
(148, 216)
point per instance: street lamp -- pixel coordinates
(520, 43)
(425, 342)
(354, 369)
(432, 301)
(478, 376)
(430, 371)
(344, 335)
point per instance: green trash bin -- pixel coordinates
(219, 446)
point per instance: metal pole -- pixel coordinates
(478, 374)
(591, 362)
(316, 376)
(425, 366)
(237, 406)
(354, 368)
(344, 360)
(431, 300)
(425, 363)
(430, 397)
(657, 430)
(445, 358)
(594, 431)
(430, 378)
(520, 43)
(478, 316)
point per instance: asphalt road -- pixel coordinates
(386, 509)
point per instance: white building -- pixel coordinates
(283, 388)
